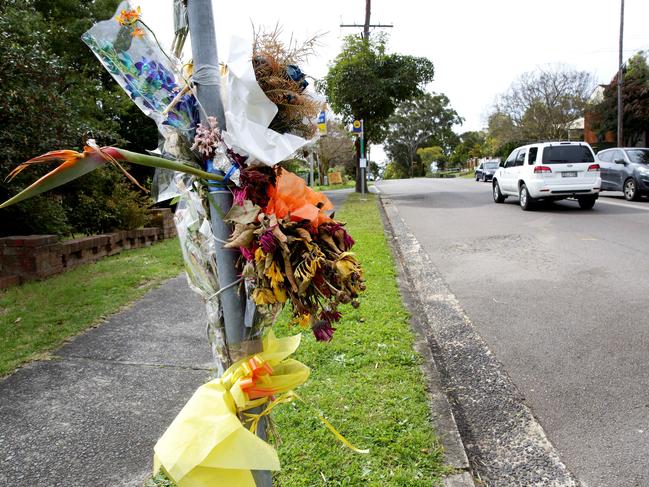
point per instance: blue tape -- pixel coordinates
(215, 186)
(229, 173)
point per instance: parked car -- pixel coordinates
(625, 169)
(485, 171)
(549, 171)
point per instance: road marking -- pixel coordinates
(625, 205)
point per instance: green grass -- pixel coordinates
(469, 175)
(323, 187)
(39, 316)
(367, 382)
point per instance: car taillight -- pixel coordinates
(593, 167)
(542, 169)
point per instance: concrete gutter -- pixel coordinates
(478, 411)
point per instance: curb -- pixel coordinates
(498, 433)
(441, 413)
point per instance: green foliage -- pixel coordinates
(71, 302)
(635, 102)
(104, 201)
(366, 82)
(53, 95)
(472, 145)
(428, 155)
(395, 171)
(426, 120)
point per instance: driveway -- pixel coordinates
(561, 296)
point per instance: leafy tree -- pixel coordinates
(428, 155)
(54, 94)
(336, 149)
(422, 121)
(472, 145)
(541, 105)
(635, 102)
(365, 82)
(395, 171)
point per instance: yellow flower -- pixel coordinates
(304, 321)
(275, 275)
(347, 264)
(260, 255)
(280, 294)
(129, 17)
(262, 295)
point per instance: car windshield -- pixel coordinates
(491, 165)
(560, 154)
(638, 155)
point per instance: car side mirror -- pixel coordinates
(501, 164)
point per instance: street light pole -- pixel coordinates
(620, 82)
(207, 80)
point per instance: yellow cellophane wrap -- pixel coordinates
(207, 445)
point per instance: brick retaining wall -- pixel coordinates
(25, 258)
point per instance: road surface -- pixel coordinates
(561, 296)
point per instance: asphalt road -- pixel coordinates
(561, 296)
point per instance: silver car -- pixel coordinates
(625, 169)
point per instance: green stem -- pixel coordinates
(154, 161)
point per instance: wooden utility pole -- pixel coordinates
(620, 82)
(207, 79)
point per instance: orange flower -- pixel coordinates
(129, 17)
(137, 32)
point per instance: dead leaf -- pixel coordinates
(243, 214)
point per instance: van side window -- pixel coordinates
(531, 158)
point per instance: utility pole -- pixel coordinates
(620, 82)
(207, 79)
(362, 158)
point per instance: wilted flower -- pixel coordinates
(323, 331)
(267, 241)
(247, 254)
(330, 315)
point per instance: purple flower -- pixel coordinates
(238, 196)
(330, 315)
(247, 254)
(323, 331)
(267, 241)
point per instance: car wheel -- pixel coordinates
(586, 202)
(630, 190)
(498, 196)
(524, 198)
(477, 178)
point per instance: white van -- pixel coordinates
(549, 171)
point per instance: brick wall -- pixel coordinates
(24, 258)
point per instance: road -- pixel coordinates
(561, 296)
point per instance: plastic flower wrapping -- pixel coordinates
(290, 248)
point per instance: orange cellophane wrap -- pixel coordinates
(291, 195)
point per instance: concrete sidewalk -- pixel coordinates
(90, 416)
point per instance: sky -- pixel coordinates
(478, 47)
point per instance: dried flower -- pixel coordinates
(207, 138)
(267, 241)
(303, 320)
(257, 181)
(247, 254)
(330, 315)
(323, 331)
(239, 195)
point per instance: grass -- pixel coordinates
(367, 382)
(469, 175)
(324, 187)
(39, 316)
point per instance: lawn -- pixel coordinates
(39, 316)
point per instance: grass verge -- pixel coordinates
(39, 316)
(367, 382)
(330, 187)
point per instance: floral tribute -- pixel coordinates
(290, 248)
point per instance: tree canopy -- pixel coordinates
(426, 120)
(541, 105)
(635, 102)
(365, 82)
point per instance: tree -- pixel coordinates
(336, 149)
(428, 155)
(542, 104)
(365, 82)
(635, 102)
(54, 94)
(422, 121)
(471, 146)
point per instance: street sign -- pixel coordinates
(362, 162)
(322, 123)
(357, 127)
